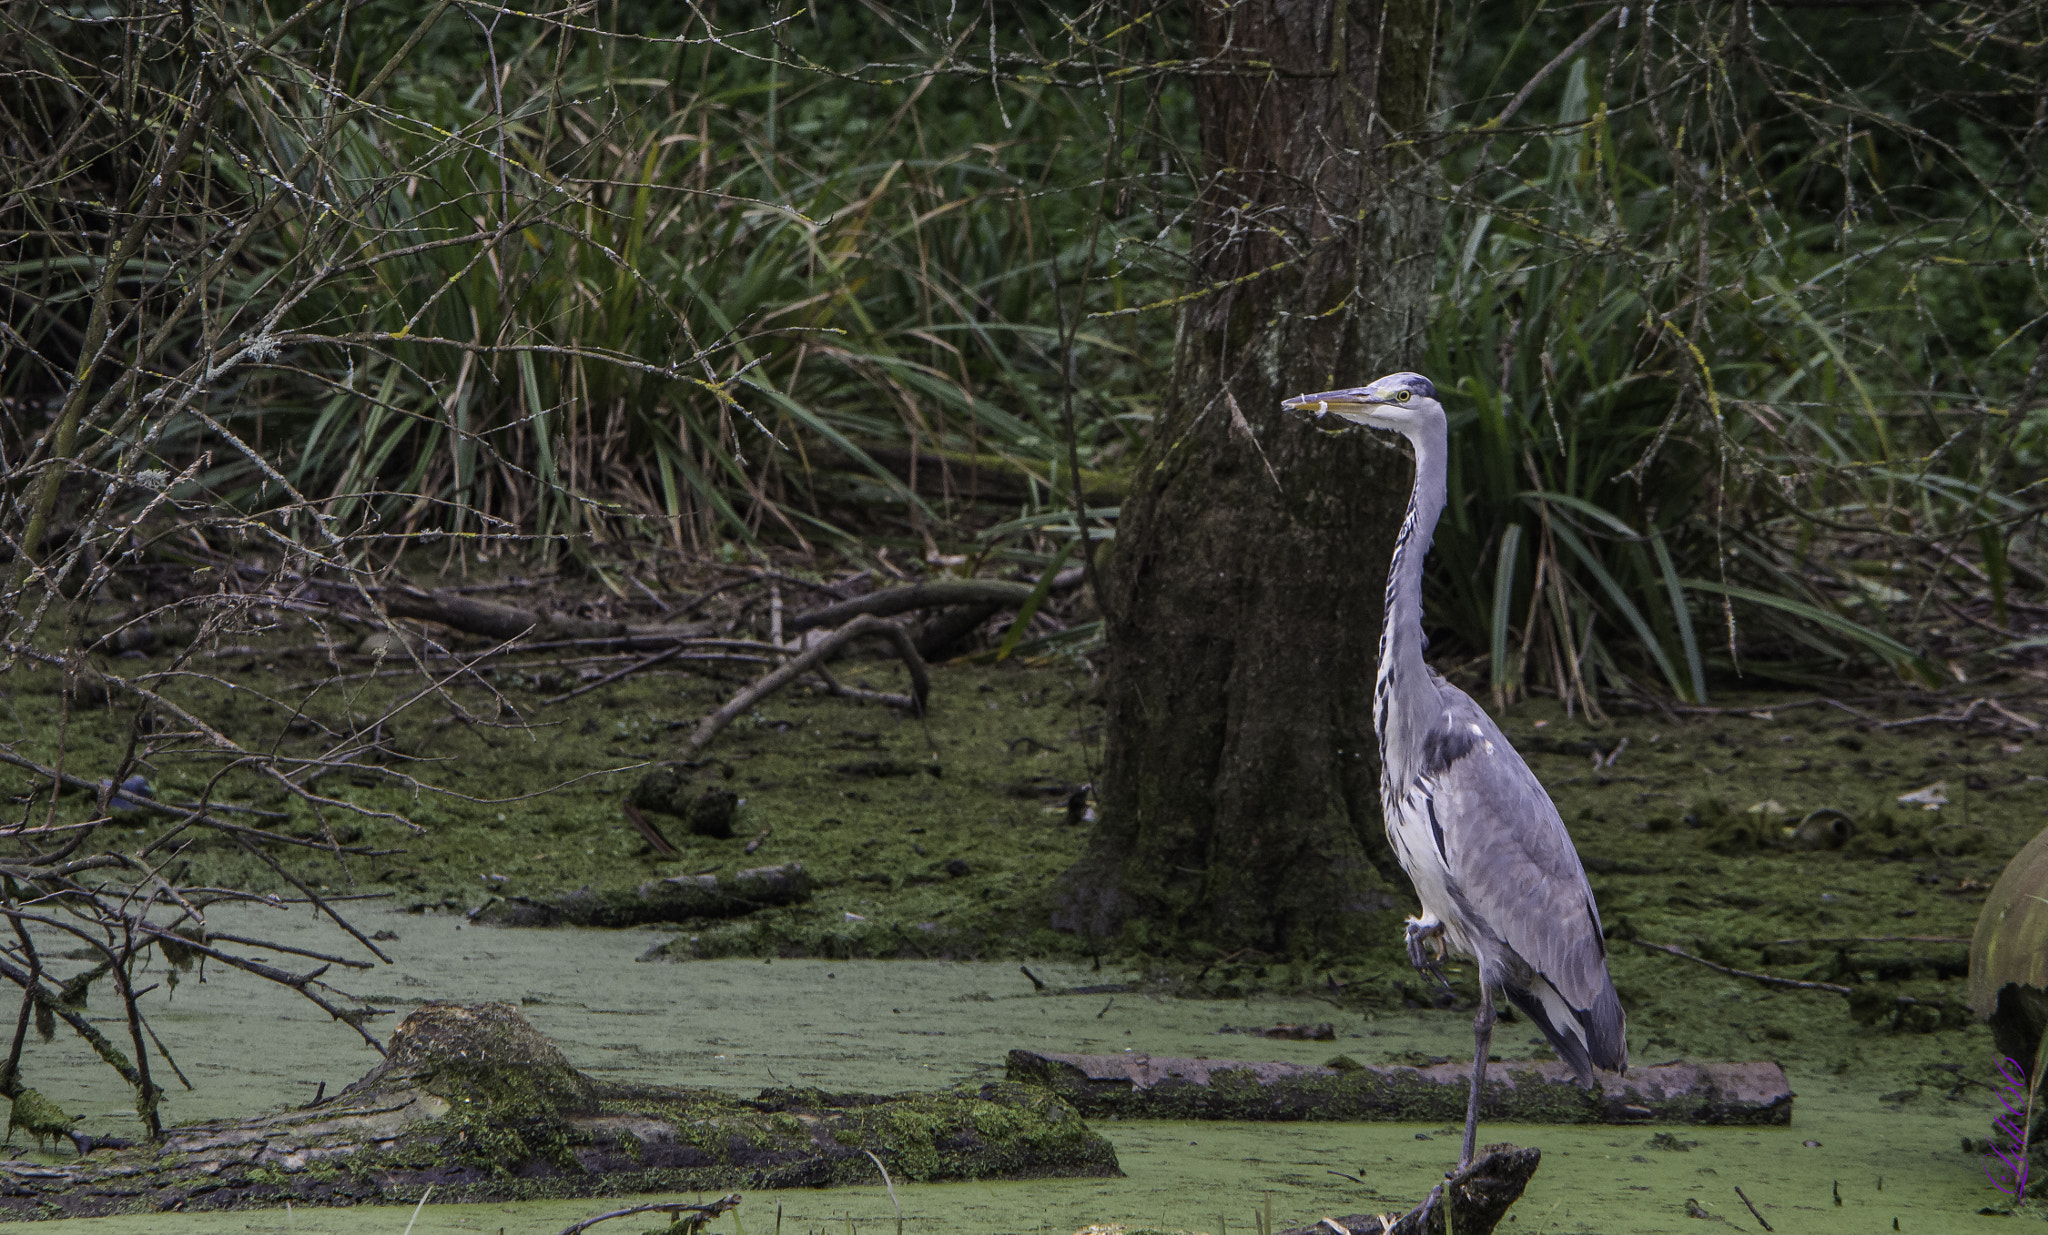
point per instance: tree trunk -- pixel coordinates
(1239, 790)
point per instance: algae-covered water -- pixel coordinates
(1769, 836)
(889, 1025)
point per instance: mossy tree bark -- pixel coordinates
(1239, 791)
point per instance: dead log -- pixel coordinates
(679, 899)
(1521, 1091)
(939, 594)
(1477, 1197)
(478, 1105)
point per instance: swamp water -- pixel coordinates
(889, 1025)
(1686, 824)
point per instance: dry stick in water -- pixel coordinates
(920, 679)
(609, 678)
(1771, 979)
(672, 1209)
(1752, 1209)
(1765, 978)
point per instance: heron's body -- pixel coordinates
(1492, 864)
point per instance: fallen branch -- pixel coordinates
(1864, 1004)
(813, 656)
(674, 1209)
(1135, 1086)
(1768, 979)
(1002, 593)
(503, 622)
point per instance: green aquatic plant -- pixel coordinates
(36, 1115)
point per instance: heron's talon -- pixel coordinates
(1429, 930)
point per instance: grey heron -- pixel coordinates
(1492, 864)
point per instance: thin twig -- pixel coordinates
(1766, 978)
(1752, 1209)
(614, 676)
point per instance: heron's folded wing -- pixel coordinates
(1514, 866)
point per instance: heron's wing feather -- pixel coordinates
(1518, 879)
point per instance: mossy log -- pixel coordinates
(476, 1103)
(1477, 1198)
(1157, 1087)
(678, 899)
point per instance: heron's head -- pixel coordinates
(1399, 401)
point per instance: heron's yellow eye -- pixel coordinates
(1402, 397)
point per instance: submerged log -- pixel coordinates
(1477, 1198)
(1158, 1087)
(678, 899)
(478, 1104)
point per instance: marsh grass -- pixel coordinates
(563, 279)
(1741, 324)
(1741, 355)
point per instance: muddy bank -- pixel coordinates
(475, 1103)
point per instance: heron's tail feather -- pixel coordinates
(1585, 1038)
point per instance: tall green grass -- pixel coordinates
(1739, 327)
(625, 286)
(1694, 416)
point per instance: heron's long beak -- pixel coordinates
(1355, 405)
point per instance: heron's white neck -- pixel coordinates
(1402, 672)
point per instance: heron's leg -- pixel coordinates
(1427, 929)
(1482, 1033)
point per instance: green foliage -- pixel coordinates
(1741, 323)
(641, 279)
(1735, 332)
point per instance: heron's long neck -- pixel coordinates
(1402, 673)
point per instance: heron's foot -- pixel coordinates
(1427, 929)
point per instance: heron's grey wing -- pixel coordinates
(1518, 881)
